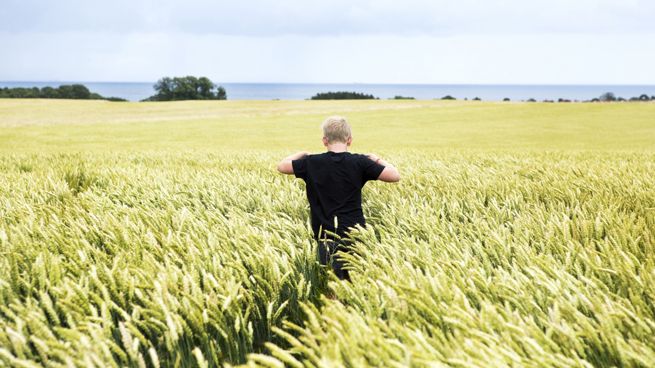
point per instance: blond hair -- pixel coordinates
(336, 129)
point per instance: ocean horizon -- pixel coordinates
(136, 91)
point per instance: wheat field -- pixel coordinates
(160, 235)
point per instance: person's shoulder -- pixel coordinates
(359, 157)
(317, 156)
(359, 160)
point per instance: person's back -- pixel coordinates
(334, 180)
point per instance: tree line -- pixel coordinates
(68, 91)
(202, 88)
(167, 89)
(609, 97)
(342, 95)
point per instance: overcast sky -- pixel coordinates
(338, 41)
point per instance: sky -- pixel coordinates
(337, 41)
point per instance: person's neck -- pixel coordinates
(337, 147)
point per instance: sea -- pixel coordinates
(136, 91)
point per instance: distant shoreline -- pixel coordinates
(135, 91)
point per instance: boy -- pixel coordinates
(334, 181)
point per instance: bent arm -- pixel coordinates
(285, 166)
(390, 174)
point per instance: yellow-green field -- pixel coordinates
(159, 234)
(55, 126)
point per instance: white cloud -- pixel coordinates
(548, 59)
(381, 41)
(337, 17)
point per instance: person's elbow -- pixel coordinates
(390, 175)
(280, 167)
(395, 176)
(285, 167)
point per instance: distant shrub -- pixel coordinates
(477, 99)
(531, 100)
(342, 95)
(643, 97)
(403, 98)
(607, 97)
(448, 97)
(563, 100)
(115, 99)
(506, 99)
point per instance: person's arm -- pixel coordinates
(285, 166)
(390, 174)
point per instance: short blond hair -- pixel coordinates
(336, 129)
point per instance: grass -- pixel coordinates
(100, 126)
(159, 234)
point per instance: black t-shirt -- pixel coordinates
(334, 182)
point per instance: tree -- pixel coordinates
(643, 97)
(607, 96)
(49, 92)
(187, 88)
(204, 88)
(506, 99)
(80, 92)
(220, 93)
(164, 88)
